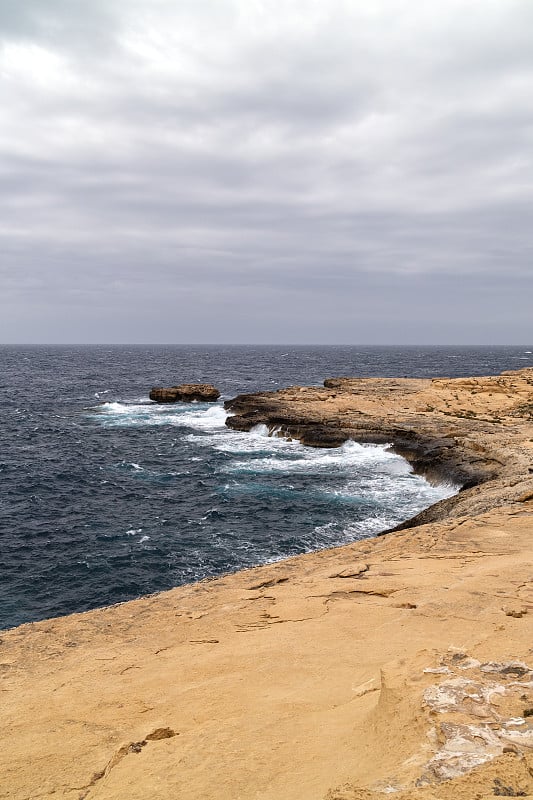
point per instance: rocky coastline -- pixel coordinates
(397, 665)
(468, 432)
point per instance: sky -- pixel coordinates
(266, 171)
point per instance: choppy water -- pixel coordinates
(105, 496)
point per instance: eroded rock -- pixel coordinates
(464, 432)
(185, 393)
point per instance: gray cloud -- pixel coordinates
(315, 171)
(69, 25)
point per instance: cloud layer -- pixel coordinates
(296, 171)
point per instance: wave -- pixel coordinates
(237, 443)
(334, 533)
(201, 416)
(306, 459)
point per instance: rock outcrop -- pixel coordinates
(185, 393)
(473, 432)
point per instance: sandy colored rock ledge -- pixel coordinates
(401, 664)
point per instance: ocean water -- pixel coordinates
(105, 496)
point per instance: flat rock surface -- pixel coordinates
(398, 664)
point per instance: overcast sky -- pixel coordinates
(277, 171)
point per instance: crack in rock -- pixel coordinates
(267, 584)
(352, 572)
(122, 752)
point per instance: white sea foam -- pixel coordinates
(317, 459)
(235, 442)
(131, 465)
(369, 526)
(151, 414)
(260, 430)
(226, 440)
(115, 408)
(212, 418)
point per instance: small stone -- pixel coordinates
(511, 748)
(161, 733)
(517, 613)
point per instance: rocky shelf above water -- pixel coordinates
(472, 432)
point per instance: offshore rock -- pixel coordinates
(185, 393)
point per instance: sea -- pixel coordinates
(105, 496)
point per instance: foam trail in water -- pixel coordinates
(309, 459)
(225, 440)
(197, 415)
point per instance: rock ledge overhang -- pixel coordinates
(475, 433)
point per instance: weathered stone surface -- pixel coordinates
(185, 393)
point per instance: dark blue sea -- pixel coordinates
(105, 497)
